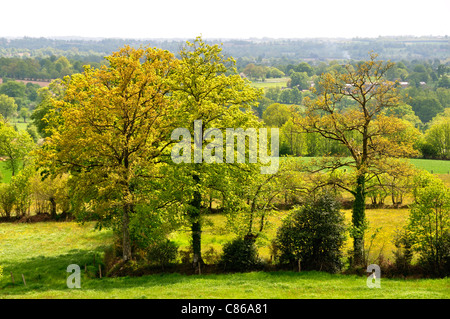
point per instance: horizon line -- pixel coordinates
(100, 38)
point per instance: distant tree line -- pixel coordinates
(423, 85)
(42, 68)
(264, 50)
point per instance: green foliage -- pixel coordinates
(44, 108)
(208, 88)
(50, 194)
(429, 225)
(15, 196)
(304, 67)
(7, 200)
(149, 226)
(259, 72)
(108, 129)
(313, 235)
(405, 112)
(23, 95)
(240, 255)
(276, 115)
(8, 106)
(444, 82)
(13, 89)
(436, 141)
(32, 131)
(162, 253)
(426, 107)
(15, 145)
(20, 187)
(299, 80)
(24, 113)
(403, 254)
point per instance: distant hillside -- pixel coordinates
(394, 48)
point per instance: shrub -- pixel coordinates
(240, 255)
(7, 200)
(403, 254)
(312, 236)
(21, 188)
(186, 255)
(211, 256)
(429, 227)
(163, 253)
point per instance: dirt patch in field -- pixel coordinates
(42, 217)
(39, 217)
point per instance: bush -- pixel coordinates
(403, 254)
(7, 200)
(211, 256)
(163, 253)
(429, 227)
(240, 255)
(312, 236)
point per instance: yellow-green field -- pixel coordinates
(42, 252)
(271, 83)
(215, 234)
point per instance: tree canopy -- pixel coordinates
(350, 109)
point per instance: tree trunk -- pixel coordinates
(196, 227)
(127, 210)
(13, 167)
(358, 218)
(53, 208)
(126, 244)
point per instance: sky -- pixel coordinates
(241, 19)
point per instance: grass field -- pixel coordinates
(271, 83)
(19, 123)
(215, 234)
(42, 252)
(432, 166)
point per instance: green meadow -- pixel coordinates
(271, 83)
(42, 252)
(432, 166)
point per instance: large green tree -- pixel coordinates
(211, 91)
(109, 127)
(14, 145)
(426, 107)
(8, 106)
(437, 138)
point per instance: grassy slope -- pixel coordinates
(43, 251)
(270, 83)
(255, 285)
(433, 166)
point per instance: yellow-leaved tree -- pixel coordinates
(349, 108)
(108, 128)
